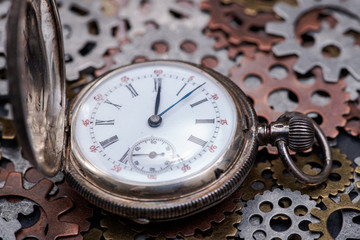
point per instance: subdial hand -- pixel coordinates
(150, 155)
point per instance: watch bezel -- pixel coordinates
(154, 201)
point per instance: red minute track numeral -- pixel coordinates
(215, 96)
(223, 122)
(116, 168)
(186, 168)
(93, 149)
(153, 177)
(158, 71)
(212, 148)
(191, 78)
(125, 79)
(85, 122)
(98, 97)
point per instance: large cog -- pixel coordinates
(87, 34)
(311, 56)
(261, 66)
(259, 214)
(143, 47)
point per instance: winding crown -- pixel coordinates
(301, 133)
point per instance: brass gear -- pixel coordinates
(249, 28)
(331, 207)
(331, 113)
(256, 183)
(342, 171)
(53, 209)
(253, 7)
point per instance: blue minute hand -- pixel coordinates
(187, 95)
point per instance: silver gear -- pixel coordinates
(312, 56)
(21, 165)
(141, 46)
(349, 228)
(4, 8)
(9, 228)
(10, 210)
(352, 87)
(77, 35)
(161, 13)
(256, 224)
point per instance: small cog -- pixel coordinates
(259, 216)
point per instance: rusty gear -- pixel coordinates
(81, 211)
(256, 182)
(331, 207)
(248, 50)
(331, 113)
(249, 28)
(52, 209)
(253, 7)
(340, 176)
(353, 119)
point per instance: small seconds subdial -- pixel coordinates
(152, 155)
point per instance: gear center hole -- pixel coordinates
(331, 51)
(280, 223)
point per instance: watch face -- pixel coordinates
(154, 123)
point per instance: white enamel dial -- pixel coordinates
(112, 130)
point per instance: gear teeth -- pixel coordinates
(345, 199)
(14, 177)
(316, 227)
(284, 48)
(316, 212)
(284, 10)
(44, 186)
(303, 65)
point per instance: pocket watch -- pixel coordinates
(150, 141)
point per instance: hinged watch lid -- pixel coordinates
(36, 73)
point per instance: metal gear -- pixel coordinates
(22, 165)
(53, 209)
(253, 7)
(259, 215)
(9, 228)
(248, 28)
(4, 8)
(10, 210)
(352, 87)
(310, 57)
(171, 13)
(331, 207)
(81, 211)
(225, 229)
(261, 68)
(142, 48)
(87, 34)
(349, 228)
(353, 119)
(256, 181)
(340, 176)
(116, 228)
